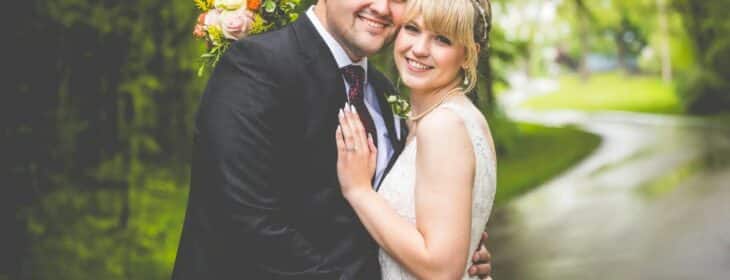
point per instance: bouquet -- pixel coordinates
(224, 21)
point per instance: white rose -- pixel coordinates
(235, 24)
(212, 17)
(230, 5)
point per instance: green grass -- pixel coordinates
(540, 154)
(611, 91)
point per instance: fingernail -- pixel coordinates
(347, 107)
(354, 110)
(341, 114)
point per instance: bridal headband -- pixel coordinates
(485, 28)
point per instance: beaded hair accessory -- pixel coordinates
(485, 28)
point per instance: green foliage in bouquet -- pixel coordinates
(225, 21)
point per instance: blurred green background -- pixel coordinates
(97, 125)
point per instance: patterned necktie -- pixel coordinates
(355, 77)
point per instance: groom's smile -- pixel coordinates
(375, 25)
(362, 27)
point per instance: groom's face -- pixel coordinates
(362, 27)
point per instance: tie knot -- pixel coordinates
(354, 74)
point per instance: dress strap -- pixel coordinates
(461, 112)
(481, 143)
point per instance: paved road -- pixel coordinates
(652, 202)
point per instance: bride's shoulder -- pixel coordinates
(443, 142)
(442, 125)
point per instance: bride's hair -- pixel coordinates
(466, 22)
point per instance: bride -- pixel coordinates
(433, 205)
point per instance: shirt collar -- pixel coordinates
(336, 49)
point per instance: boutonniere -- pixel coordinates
(399, 105)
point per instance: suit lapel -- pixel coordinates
(397, 150)
(383, 87)
(324, 68)
(320, 65)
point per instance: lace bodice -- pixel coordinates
(398, 187)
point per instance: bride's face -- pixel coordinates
(425, 60)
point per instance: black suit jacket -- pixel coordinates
(264, 199)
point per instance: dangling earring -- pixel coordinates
(397, 84)
(466, 78)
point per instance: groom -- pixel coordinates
(264, 199)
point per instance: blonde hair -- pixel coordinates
(460, 21)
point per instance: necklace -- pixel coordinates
(443, 99)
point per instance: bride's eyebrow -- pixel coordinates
(413, 22)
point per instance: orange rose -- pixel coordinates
(199, 31)
(254, 5)
(201, 18)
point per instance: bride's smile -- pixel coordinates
(426, 61)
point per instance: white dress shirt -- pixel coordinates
(385, 148)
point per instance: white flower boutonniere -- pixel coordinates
(399, 105)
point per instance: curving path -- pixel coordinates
(652, 202)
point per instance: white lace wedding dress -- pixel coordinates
(398, 187)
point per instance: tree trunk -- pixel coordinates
(664, 47)
(621, 51)
(532, 55)
(582, 16)
(488, 75)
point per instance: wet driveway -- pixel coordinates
(652, 202)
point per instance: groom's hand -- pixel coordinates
(481, 260)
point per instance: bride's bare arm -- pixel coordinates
(437, 247)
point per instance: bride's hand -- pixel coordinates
(356, 153)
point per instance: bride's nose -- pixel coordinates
(421, 47)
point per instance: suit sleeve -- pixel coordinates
(239, 120)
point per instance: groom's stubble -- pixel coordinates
(361, 27)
